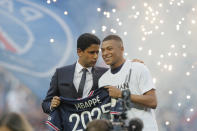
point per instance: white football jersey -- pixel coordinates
(137, 78)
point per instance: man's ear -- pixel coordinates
(122, 48)
(79, 51)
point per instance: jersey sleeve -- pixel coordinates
(145, 80)
(54, 121)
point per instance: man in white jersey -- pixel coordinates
(124, 74)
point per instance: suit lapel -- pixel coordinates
(72, 73)
(95, 78)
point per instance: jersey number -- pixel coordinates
(89, 114)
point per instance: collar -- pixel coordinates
(79, 68)
(117, 69)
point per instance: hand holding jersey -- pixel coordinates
(114, 92)
(55, 102)
(72, 114)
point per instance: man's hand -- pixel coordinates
(55, 102)
(114, 92)
(137, 60)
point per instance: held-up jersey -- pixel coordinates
(73, 115)
(135, 77)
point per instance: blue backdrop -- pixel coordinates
(26, 28)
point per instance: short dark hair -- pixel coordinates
(99, 125)
(113, 37)
(86, 40)
(15, 122)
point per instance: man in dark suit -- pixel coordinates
(76, 80)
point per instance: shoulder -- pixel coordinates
(141, 70)
(105, 75)
(67, 67)
(100, 69)
(105, 79)
(139, 67)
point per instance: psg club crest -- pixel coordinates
(26, 28)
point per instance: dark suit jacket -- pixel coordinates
(62, 84)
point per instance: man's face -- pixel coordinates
(89, 56)
(111, 52)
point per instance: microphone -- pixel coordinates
(135, 124)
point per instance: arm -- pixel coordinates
(53, 91)
(145, 84)
(148, 99)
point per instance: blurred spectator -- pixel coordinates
(14, 122)
(15, 96)
(99, 125)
